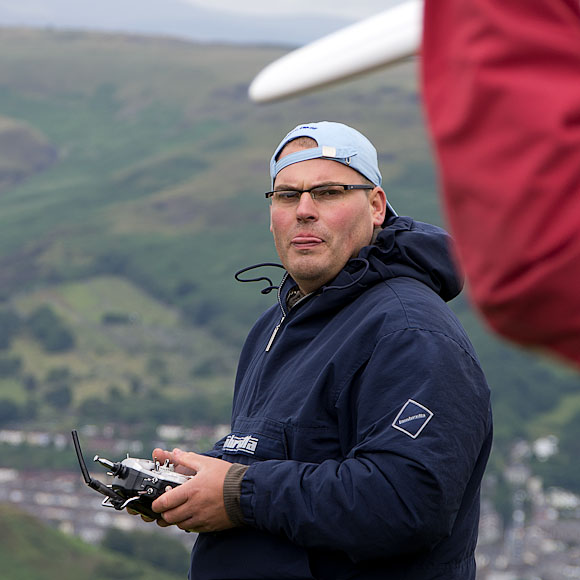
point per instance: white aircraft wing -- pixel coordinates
(375, 42)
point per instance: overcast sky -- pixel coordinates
(254, 21)
(348, 10)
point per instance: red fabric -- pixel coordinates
(501, 89)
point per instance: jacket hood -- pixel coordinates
(416, 250)
(404, 248)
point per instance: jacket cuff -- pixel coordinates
(232, 492)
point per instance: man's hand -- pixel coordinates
(197, 504)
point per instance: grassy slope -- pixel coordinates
(102, 349)
(161, 163)
(155, 201)
(30, 549)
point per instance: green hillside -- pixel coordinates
(152, 201)
(131, 180)
(30, 549)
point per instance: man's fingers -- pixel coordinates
(136, 513)
(162, 455)
(181, 460)
(188, 459)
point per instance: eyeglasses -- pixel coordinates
(321, 193)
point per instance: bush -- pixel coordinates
(9, 328)
(59, 376)
(96, 409)
(116, 318)
(59, 396)
(9, 411)
(59, 393)
(10, 366)
(561, 470)
(48, 328)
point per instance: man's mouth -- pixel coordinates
(305, 242)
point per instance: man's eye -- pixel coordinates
(286, 195)
(327, 192)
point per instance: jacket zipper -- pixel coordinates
(284, 313)
(273, 337)
(277, 328)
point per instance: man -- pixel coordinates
(501, 88)
(361, 421)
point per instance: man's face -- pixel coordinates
(315, 239)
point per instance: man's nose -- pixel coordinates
(307, 208)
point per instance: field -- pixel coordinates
(30, 549)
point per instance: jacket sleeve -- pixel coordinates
(501, 90)
(392, 493)
(217, 449)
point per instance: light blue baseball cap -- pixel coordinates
(337, 142)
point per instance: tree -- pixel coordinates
(59, 396)
(9, 328)
(561, 470)
(9, 411)
(49, 329)
(96, 409)
(10, 366)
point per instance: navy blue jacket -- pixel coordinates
(365, 419)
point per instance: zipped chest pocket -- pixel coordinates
(260, 439)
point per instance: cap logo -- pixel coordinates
(412, 418)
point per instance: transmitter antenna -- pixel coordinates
(92, 483)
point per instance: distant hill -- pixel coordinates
(30, 549)
(176, 18)
(152, 202)
(136, 193)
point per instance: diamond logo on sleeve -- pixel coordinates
(412, 418)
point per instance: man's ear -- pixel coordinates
(378, 202)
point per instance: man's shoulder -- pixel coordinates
(403, 293)
(403, 303)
